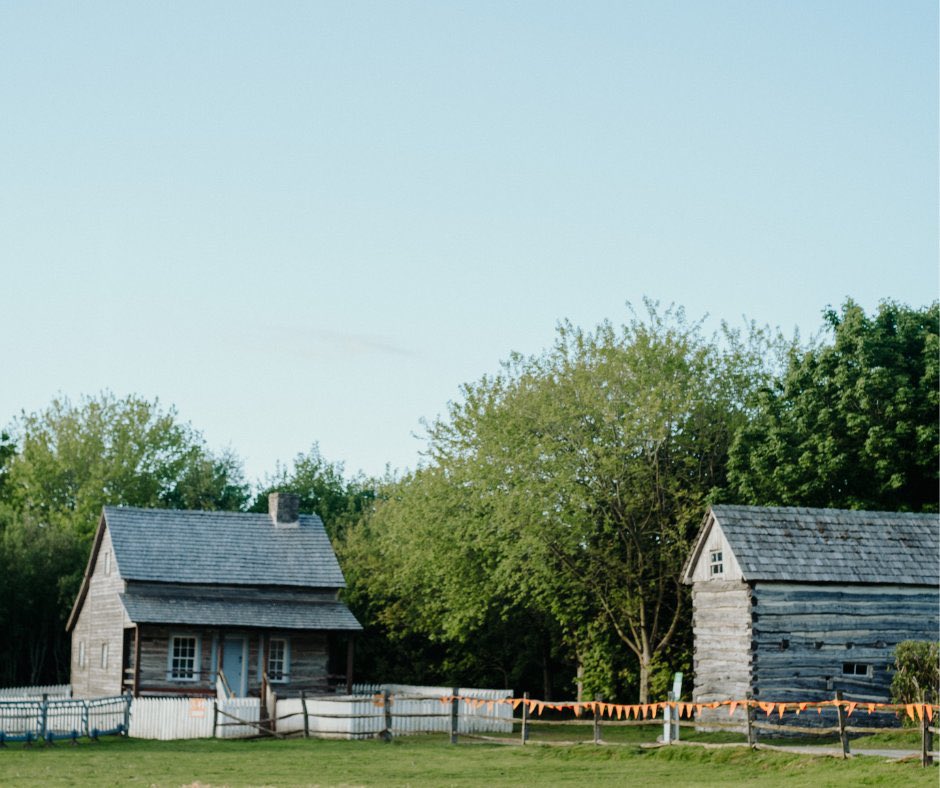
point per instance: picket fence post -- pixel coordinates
(386, 706)
(597, 719)
(303, 705)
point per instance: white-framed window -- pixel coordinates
(716, 565)
(183, 658)
(81, 654)
(279, 660)
(104, 656)
(856, 669)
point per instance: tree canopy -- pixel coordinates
(852, 422)
(568, 486)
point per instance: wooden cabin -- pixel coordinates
(791, 604)
(191, 603)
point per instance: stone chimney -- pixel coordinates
(283, 508)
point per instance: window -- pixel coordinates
(716, 563)
(107, 562)
(104, 656)
(81, 654)
(278, 660)
(856, 669)
(183, 658)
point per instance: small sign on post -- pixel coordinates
(671, 713)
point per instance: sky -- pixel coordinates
(312, 222)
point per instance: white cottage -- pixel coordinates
(790, 604)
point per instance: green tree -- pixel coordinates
(851, 423)
(322, 488)
(69, 461)
(570, 485)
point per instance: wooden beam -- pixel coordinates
(136, 660)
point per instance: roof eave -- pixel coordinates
(89, 569)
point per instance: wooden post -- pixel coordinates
(926, 740)
(136, 660)
(751, 730)
(843, 736)
(387, 707)
(303, 705)
(215, 717)
(597, 720)
(350, 650)
(454, 714)
(127, 713)
(525, 717)
(43, 719)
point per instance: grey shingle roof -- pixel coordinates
(234, 548)
(242, 607)
(833, 545)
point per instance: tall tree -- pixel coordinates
(571, 483)
(852, 422)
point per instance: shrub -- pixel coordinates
(917, 679)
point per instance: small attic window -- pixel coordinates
(716, 566)
(107, 562)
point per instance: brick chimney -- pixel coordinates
(283, 508)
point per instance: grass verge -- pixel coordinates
(431, 761)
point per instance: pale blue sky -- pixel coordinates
(310, 221)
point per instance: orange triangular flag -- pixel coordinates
(920, 710)
(731, 707)
(646, 710)
(781, 708)
(929, 710)
(850, 708)
(698, 709)
(802, 707)
(767, 707)
(576, 708)
(516, 702)
(871, 707)
(910, 710)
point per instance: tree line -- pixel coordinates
(540, 541)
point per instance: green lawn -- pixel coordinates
(431, 761)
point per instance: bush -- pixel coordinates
(917, 679)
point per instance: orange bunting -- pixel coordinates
(919, 707)
(850, 708)
(871, 707)
(516, 702)
(767, 707)
(576, 708)
(732, 706)
(929, 709)
(698, 709)
(646, 710)
(781, 708)
(910, 710)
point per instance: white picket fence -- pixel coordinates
(413, 709)
(52, 691)
(192, 718)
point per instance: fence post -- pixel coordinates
(85, 718)
(303, 705)
(386, 706)
(525, 717)
(926, 739)
(751, 730)
(843, 736)
(597, 719)
(44, 713)
(454, 714)
(127, 714)
(215, 717)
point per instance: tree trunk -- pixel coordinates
(579, 681)
(546, 672)
(645, 665)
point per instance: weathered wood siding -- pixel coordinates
(715, 540)
(100, 622)
(308, 660)
(721, 623)
(803, 635)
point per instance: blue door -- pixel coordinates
(233, 665)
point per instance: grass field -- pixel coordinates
(431, 761)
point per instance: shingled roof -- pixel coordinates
(230, 548)
(151, 604)
(827, 545)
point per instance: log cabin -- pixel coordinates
(205, 603)
(791, 604)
